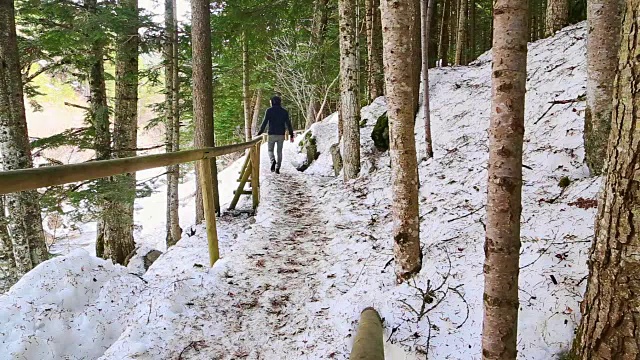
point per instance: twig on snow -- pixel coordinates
(455, 290)
(387, 264)
(196, 345)
(467, 215)
(149, 315)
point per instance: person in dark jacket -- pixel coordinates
(278, 120)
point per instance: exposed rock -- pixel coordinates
(309, 148)
(141, 259)
(337, 158)
(380, 133)
(150, 258)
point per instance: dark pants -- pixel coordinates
(273, 140)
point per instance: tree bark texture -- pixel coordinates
(462, 33)
(318, 33)
(99, 117)
(610, 325)
(172, 121)
(118, 214)
(416, 54)
(24, 217)
(557, 16)
(256, 109)
(8, 270)
(472, 31)
(453, 25)
(375, 75)
(542, 17)
(398, 22)
(504, 191)
(443, 44)
(203, 93)
(603, 43)
(426, 9)
(349, 100)
(246, 98)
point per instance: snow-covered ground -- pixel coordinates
(293, 280)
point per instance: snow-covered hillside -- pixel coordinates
(293, 280)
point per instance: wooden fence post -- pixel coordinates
(206, 184)
(258, 146)
(255, 174)
(368, 344)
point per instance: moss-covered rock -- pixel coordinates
(380, 133)
(564, 182)
(309, 147)
(336, 157)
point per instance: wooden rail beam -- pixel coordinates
(368, 343)
(30, 179)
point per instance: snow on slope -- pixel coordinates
(555, 236)
(180, 308)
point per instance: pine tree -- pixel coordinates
(318, 33)
(246, 99)
(443, 42)
(203, 93)
(426, 9)
(610, 327)
(603, 40)
(118, 214)
(416, 54)
(462, 33)
(8, 270)
(24, 218)
(398, 20)
(256, 109)
(172, 120)
(98, 113)
(506, 132)
(375, 83)
(557, 16)
(350, 103)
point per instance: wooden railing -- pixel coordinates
(30, 179)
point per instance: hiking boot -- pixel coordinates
(277, 170)
(273, 166)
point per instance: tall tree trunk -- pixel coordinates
(542, 16)
(557, 16)
(24, 216)
(472, 31)
(350, 103)
(443, 46)
(416, 36)
(172, 109)
(8, 270)
(504, 191)
(462, 32)
(99, 117)
(610, 326)
(397, 20)
(603, 43)
(203, 93)
(426, 9)
(256, 109)
(118, 213)
(246, 98)
(374, 50)
(318, 31)
(434, 31)
(453, 25)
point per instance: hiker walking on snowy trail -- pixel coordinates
(277, 118)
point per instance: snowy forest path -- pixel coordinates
(275, 274)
